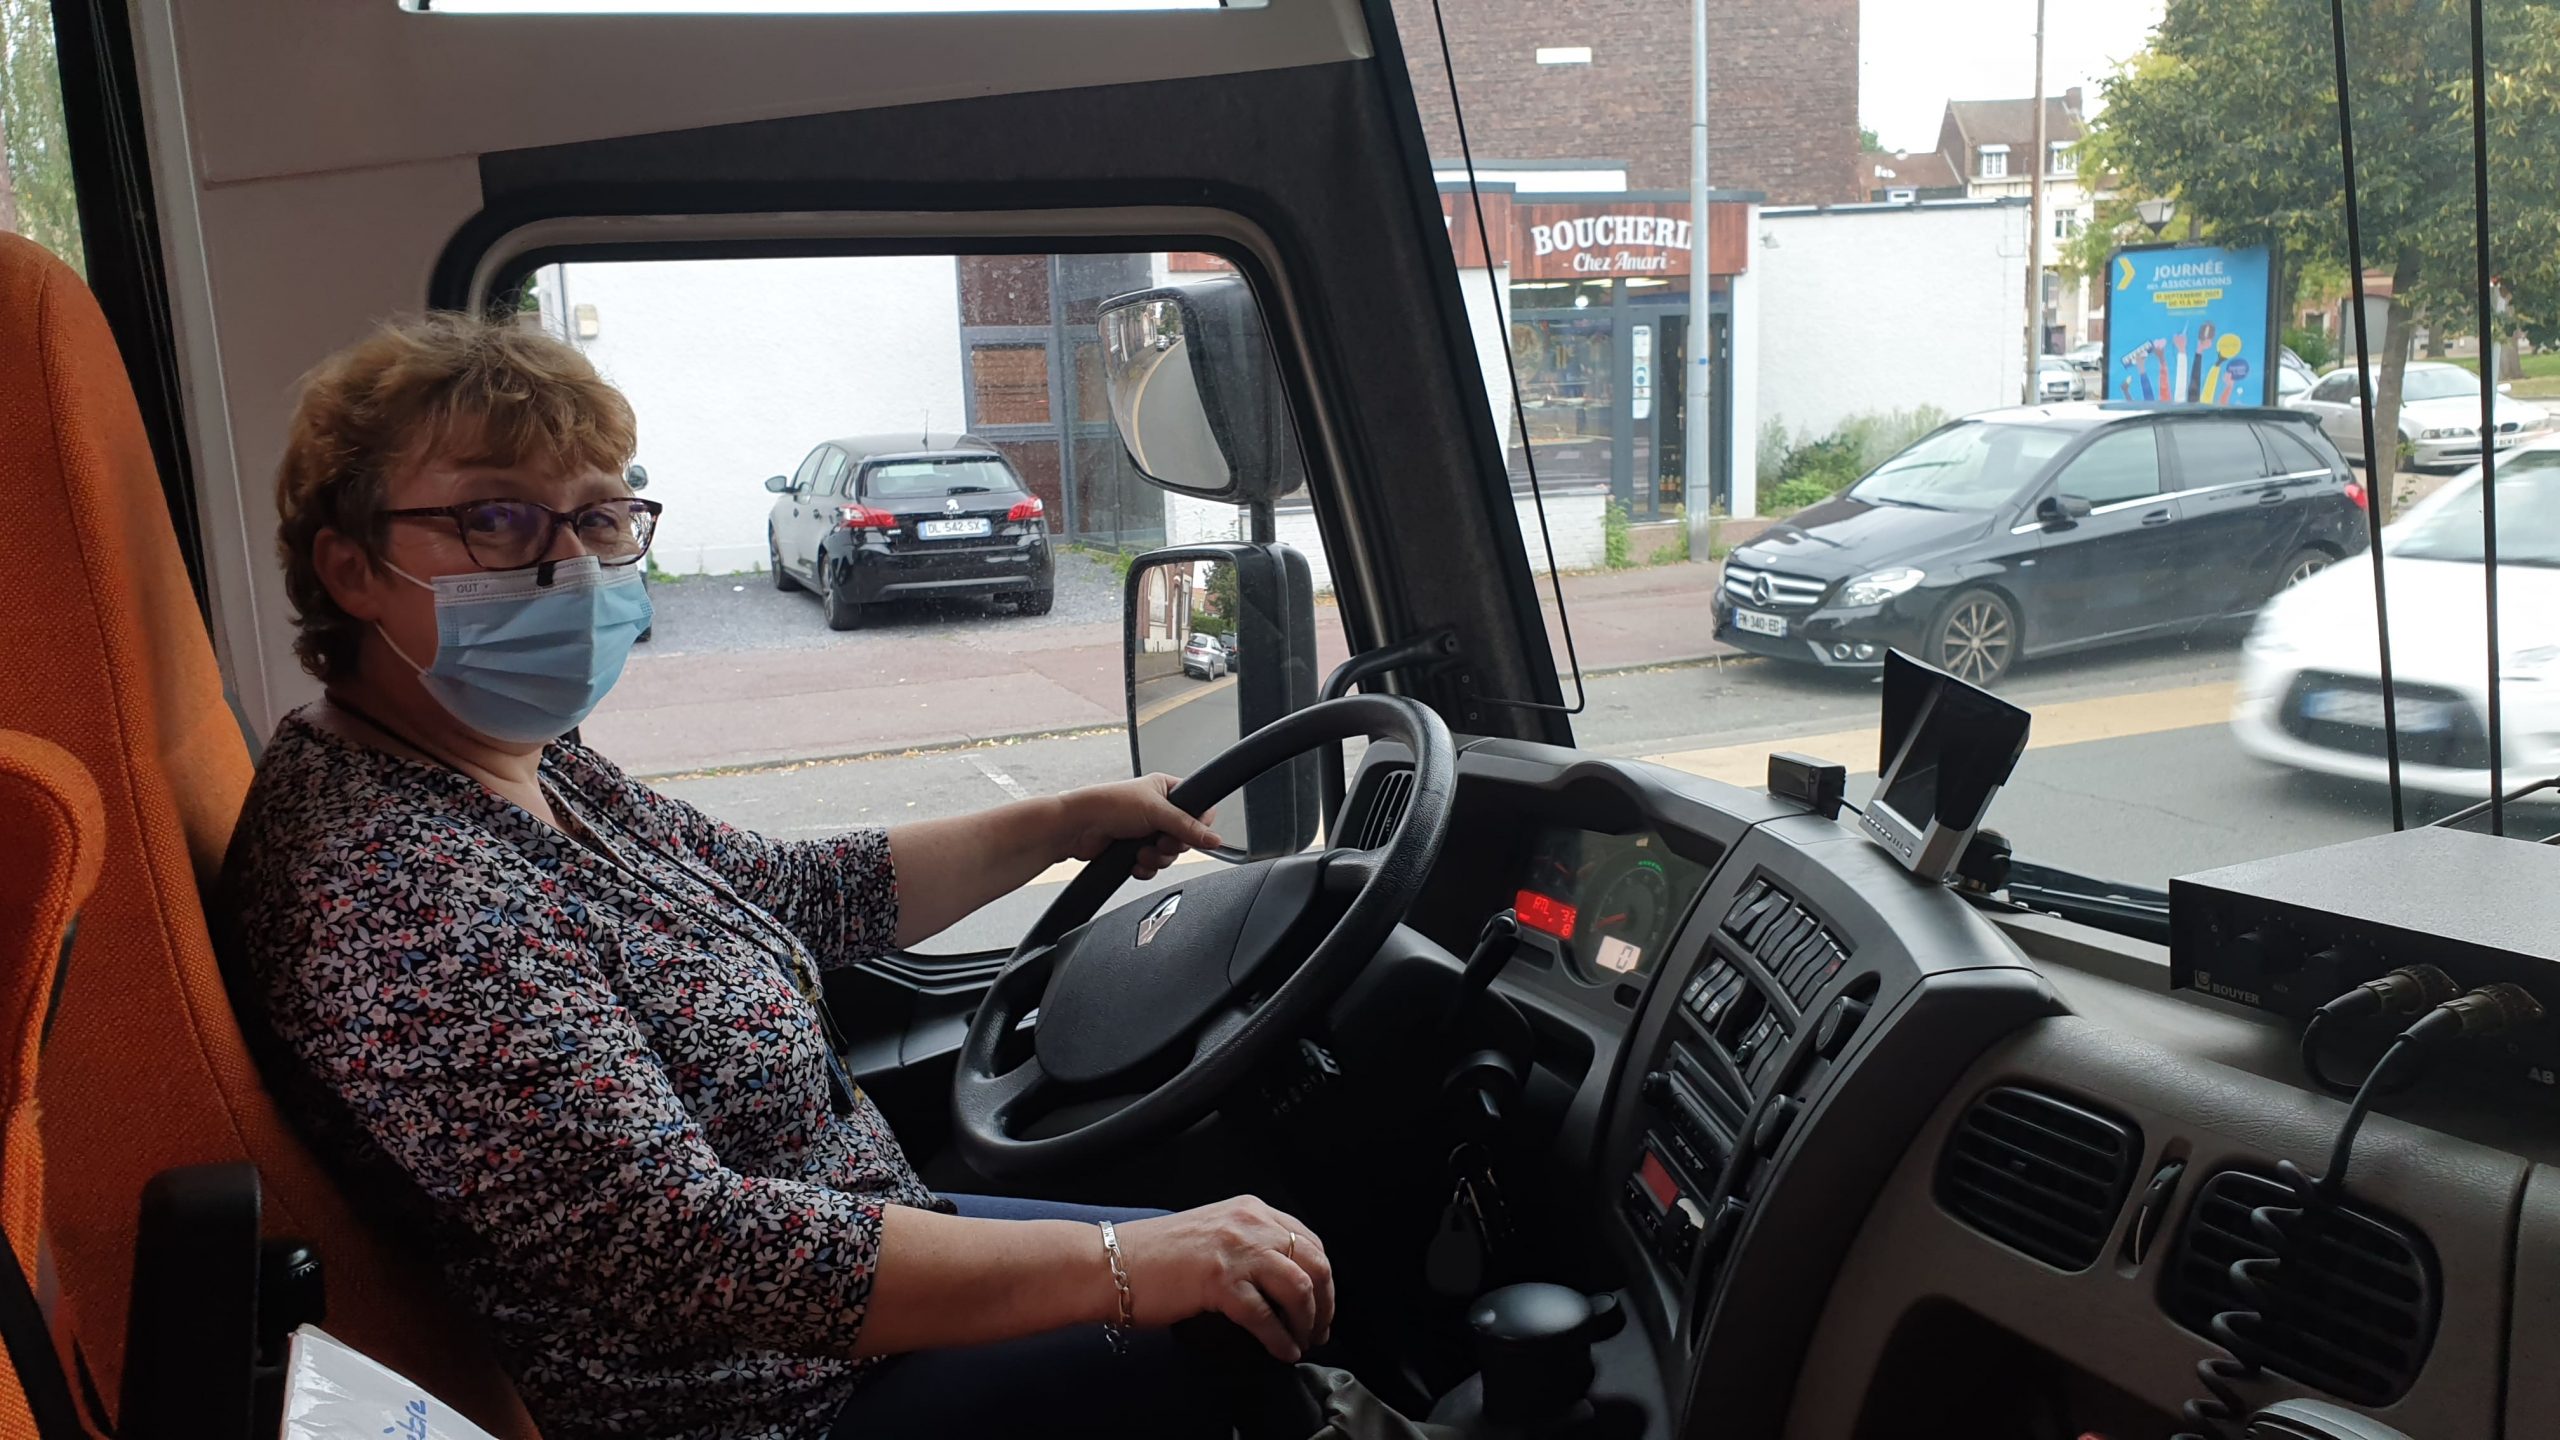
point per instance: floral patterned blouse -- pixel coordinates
(596, 1087)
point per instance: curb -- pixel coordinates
(966, 741)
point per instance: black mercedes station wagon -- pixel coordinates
(2041, 529)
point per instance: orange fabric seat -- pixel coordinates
(53, 829)
(103, 653)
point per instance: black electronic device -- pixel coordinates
(2286, 934)
(1817, 785)
(1947, 749)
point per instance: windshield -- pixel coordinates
(1971, 466)
(2528, 518)
(2440, 385)
(1894, 232)
(933, 479)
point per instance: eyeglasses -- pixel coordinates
(512, 534)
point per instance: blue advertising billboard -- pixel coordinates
(2190, 325)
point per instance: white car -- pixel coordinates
(2310, 680)
(2439, 414)
(2057, 379)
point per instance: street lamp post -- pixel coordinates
(2156, 213)
(2034, 388)
(1696, 433)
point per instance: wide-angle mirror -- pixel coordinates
(1195, 393)
(1219, 643)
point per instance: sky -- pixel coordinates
(1912, 51)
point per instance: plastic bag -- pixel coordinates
(333, 1392)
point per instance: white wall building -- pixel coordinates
(1866, 309)
(736, 368)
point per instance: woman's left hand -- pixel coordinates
(1134, 810)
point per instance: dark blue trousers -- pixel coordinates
(1060, 1386)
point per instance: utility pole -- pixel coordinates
(1697, 433)
(2035, 224)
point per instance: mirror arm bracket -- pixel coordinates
(1437, 648)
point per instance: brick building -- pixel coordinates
(1604, 85)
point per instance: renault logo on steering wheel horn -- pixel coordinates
(1159, 917)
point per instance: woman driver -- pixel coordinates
(573, 1025)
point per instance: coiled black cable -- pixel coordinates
(2487, 1010)
(2237, 1331)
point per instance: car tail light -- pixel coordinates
(863, 517)
(2355, 492)
(1030, 509)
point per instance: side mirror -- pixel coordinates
(1196, 391)
(1182, 714)
(637, 477)
(2060, 510)
(779, 484)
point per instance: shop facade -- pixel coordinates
(1602, 309)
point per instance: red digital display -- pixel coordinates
(1658, 1180)
(1544, 912)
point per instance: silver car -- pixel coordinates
(2439, 414)
(2058, 380)
(1203, 657)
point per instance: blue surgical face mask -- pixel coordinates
(524, 655)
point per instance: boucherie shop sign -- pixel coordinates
(1596, 237)
(1615, 243)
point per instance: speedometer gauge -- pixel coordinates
(1626, 920)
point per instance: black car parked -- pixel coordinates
(879, 517)
(2041, 529)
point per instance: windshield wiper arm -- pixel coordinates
(1898, 500)
(968, 490)
(2133, 910)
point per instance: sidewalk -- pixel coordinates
(938, 682)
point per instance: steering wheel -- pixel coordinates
(1141, 1020)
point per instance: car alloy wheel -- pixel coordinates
(2305, 565)
(1977, 639)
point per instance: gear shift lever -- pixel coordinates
(1534, 1344)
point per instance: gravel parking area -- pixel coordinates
(710, 614)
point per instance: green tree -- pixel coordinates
(36, 196)
(1224, 600)
(2233, 112)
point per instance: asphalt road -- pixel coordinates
(2131, 773)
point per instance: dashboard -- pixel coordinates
(1864, 1150)
(1602, 907)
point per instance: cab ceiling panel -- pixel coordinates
(286, 87)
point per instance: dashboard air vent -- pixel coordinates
(2039, 1174)
(2352, 1308)
(1377, 824)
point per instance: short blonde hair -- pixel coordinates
(439, 385)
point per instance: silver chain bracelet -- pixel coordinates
(1117, 1331)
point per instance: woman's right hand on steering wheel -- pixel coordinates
(1240, 1258)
